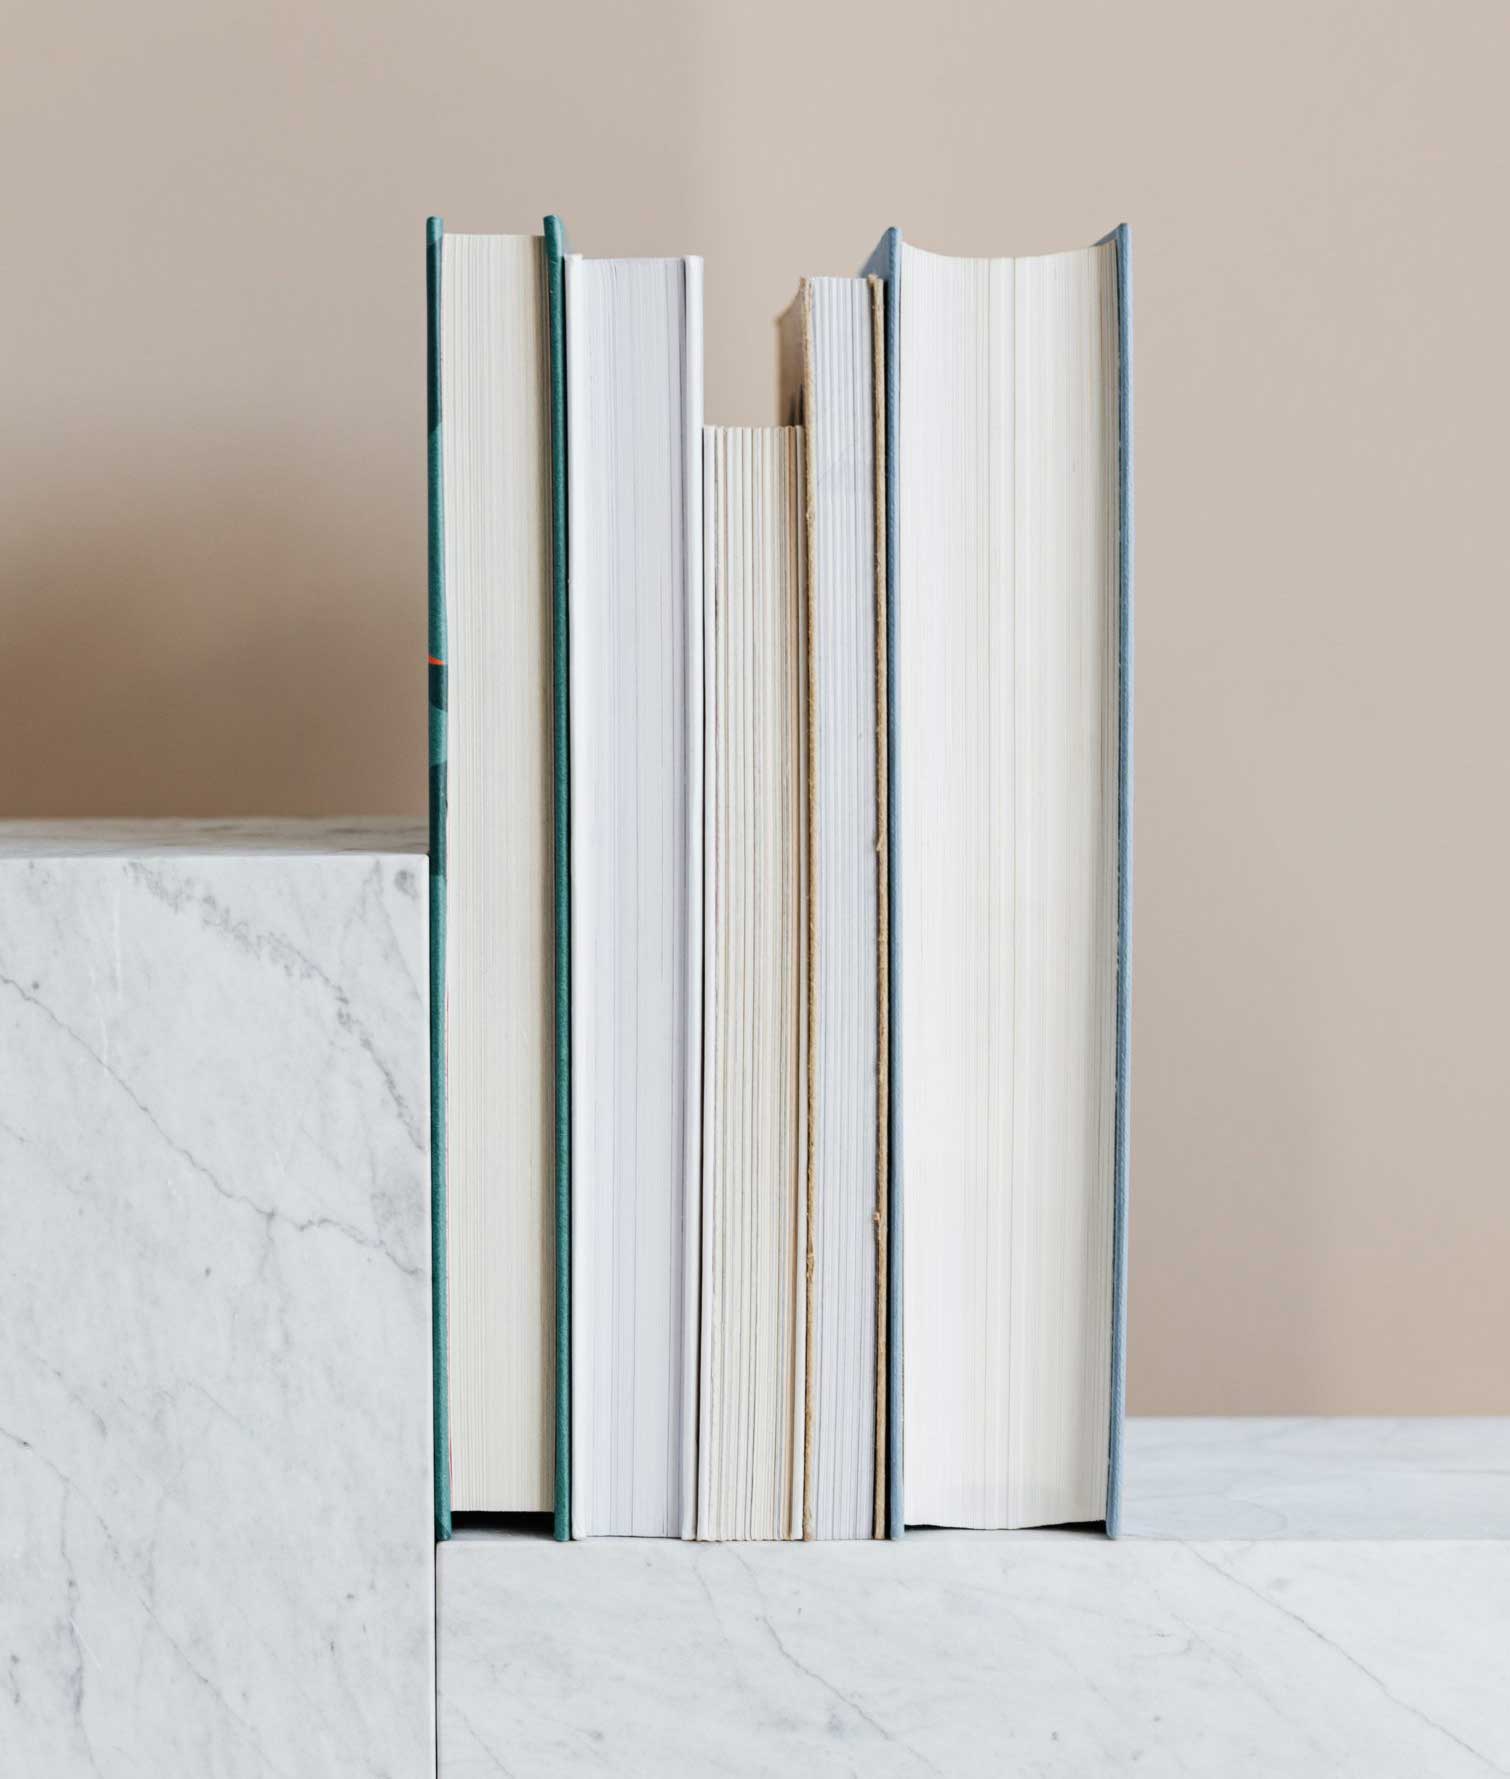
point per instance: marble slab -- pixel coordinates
(215, 1464)
(1363, 1477)
(233, 836)
(1059, 1655)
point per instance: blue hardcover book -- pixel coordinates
(1009, 536)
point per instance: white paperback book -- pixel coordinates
(831, 341)
(634, 350)
(752, 1402)
(1006, 739)
(499, 984)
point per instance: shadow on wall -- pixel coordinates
(226, 637)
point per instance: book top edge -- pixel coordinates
(224, 838)
(635, 260)
(977, 260)
(492, 235)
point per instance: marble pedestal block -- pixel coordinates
(1288, 1621)
(215, 1462)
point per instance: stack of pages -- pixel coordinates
(780, 816)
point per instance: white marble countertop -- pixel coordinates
(1313, 1477)
(1298, 1598)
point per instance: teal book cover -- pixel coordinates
(434, 235)
(555, 253)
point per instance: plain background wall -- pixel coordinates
(212, 511)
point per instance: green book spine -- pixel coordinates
(555, 250)
(434, 231)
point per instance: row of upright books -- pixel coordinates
(780, 803)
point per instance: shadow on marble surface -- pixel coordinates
(502, 1525)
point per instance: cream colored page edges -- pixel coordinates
(634, 393)
(750, 1449)
(842, 572)
(499, 1020)
(1006, 730)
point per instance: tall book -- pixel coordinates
(832, 381)
(497, 996)
(1009, 556)
(752, 1403)
(634, 481)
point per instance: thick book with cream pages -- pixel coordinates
(1009, 570)
(498, 865)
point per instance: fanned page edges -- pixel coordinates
(1069, 372)
(751, 1444)
(828, 366)
(810, 797)
(634, 407)
(500, 978)
(794, 358)
(692, 487)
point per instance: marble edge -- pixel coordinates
(270, 836)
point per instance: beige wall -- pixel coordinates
(212, 501)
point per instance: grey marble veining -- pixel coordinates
(235, 836)
(1369, 1636)
(1299, 1477)
(215, 1473)
(1059, 1655)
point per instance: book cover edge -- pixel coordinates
(1121, 239)
(886, 264)
(810, 973)
(555, 251)
(693, 417)
(877, 304)
(436, 674)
